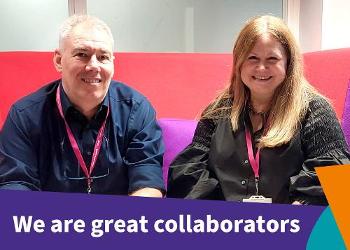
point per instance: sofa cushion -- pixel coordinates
(346, 116)
(177, 134)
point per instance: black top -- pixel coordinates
(36, 154)
(216, 166)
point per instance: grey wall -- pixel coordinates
(179, 25)
(138, 25)
(310, 25)
(31, 24)
(217, 23)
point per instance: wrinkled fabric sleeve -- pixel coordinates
(145, 149)
(323, 144)
(189, 176)
(18, 161)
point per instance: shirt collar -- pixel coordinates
(67, 105)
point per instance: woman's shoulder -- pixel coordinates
(319, 111)
(319, 103)
(209, 119)
(218, 109)
(320, 117)
(321, 131)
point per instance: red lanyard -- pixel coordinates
(254, 161)
(75, 146)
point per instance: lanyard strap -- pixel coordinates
(254, 161)
(75, 146)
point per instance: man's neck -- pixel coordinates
(88, 112)
(88, 106)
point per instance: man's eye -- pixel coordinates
(273, 58)
(104, 58)
(81, 54)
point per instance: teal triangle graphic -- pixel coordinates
(325, 234)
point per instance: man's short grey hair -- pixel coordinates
(68, 25)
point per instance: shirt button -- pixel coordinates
(243, 182)
(88, 152)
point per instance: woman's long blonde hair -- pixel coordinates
(291, 99)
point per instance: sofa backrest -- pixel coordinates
(179, 85)
(329, 72)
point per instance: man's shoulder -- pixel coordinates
(37, 98)
(121, 92)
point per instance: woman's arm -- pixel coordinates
(323, 144)
(188, 173)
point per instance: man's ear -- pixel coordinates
(57, 60)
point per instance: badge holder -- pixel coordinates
(258, 199)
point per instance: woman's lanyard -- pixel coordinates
(75, 146)
(254, 161)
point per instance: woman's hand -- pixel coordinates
(297, 203)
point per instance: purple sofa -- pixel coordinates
(177, 134)
(346, 116)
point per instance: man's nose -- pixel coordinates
(93, 64)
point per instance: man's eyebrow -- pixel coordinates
(80, 49)
(103, 51)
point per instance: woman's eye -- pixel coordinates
(252, 58)
(272, 58)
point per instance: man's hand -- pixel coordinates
(148, 192)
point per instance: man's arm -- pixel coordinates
(144, 153)
(18, 163)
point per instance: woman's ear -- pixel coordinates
(57, 60)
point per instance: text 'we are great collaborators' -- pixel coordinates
(182, 224)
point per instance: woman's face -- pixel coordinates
(265, 67)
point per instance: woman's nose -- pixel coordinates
(261, 66)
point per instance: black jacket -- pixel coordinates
(216, 166)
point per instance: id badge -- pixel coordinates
(258, 199)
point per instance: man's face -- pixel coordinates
(86, 63)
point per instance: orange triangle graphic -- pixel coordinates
(335, 181)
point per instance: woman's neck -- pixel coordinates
(258, 111)
(260, 105)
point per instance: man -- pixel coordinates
(84, 132)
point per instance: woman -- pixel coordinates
(262, 137)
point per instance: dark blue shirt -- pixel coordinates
(36, 154)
